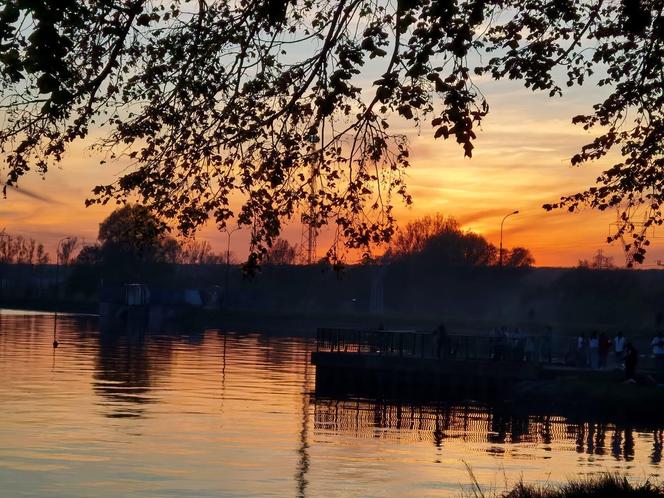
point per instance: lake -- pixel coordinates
(213, 413)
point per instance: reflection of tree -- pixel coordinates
(126, 369)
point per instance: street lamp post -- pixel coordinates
(501, 236)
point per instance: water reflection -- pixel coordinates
(488, 428)
(303, 450)
(658, 440)
(126, 369)
(212, 413)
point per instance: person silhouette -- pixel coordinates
(631, 360)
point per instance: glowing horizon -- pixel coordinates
(520, 161)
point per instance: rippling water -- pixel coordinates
(229, 414)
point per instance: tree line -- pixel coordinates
(17, 249)
(435, 240)
(442, 241)
(133, 235)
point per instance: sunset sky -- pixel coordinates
(521, 161)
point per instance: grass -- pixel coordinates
(606, 485)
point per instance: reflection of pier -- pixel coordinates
(474, 423)
(469, 423)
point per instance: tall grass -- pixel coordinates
(601, 486)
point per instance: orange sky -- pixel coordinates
(521, 160)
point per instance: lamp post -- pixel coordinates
(501, 236)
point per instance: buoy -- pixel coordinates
(55, 330)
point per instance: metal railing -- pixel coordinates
(402, 343)
(531, 348)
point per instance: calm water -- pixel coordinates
(226, 414)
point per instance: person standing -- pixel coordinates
(593, 350)
(631, 356)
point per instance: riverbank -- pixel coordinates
(571, 301)
(602, 486)
(304, 321)
(50, 305)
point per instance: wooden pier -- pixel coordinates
(392, 360)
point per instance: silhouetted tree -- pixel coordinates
(132, 245)
(194, 252)
(89, 255)
(42, 256)
(454, 247)
(66, 250)
(414, 235)
(133, 232)
(281, 253)
(519, 257)
(598, 262)
(21, 250)
(441, 241)
(256, 99)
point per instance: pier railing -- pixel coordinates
(428, 345)
(394, 342)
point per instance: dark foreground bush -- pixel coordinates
(604, 486)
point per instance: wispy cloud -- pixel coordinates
(31, 194)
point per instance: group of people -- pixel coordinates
(594, 352)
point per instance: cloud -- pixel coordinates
(32, 195)
(474, 216)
